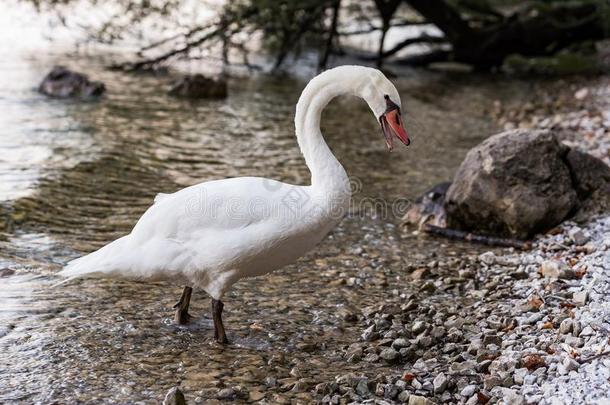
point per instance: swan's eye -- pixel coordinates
(390, 105)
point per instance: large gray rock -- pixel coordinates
(64, 83)
(199, 86)
(513, 184)
(591, 179)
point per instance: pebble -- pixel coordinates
(390, 355)
(440, 383)
(256, 395)
(174, 397)
(566, 326)
(418, 327)
(578, 236)
(362, 388)
(226, 393)
(419, 400)
(404, 397)
(468, 391)
(580, 298)
(570, 364)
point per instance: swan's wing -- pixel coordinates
(215, 206)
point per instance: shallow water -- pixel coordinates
(76, 175)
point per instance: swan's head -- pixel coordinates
(384, 100)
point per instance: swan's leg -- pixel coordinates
(182, 316)
(219, 329)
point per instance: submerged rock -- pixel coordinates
(199, 86)
(64, 83)
(174, 397)
(513, 184)
(429, 208)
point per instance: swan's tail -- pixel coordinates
(105, 262)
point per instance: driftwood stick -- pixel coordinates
(474, 238)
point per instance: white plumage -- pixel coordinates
(212, 234)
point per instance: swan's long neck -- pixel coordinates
(327, 174)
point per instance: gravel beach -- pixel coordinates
(529, 327)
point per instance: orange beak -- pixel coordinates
(392, 125)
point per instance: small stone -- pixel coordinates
(473, 400)
(468, 391)
(174, 397)
(362, 388)
(483, 366)
(427, 386)
(400, 343)
(270, 382)
(578, 236)
(533, 362)
(300, 386)
(226, 393)
(587, 331)
(296, 373)
(369, 334)
(371, 358)
(404, 397)
(256, 395)
(574, 341)
(390, 355)
(488, 258)
(570, 364)
(519, 375)
(401, 384)
(390, 391)
(439, 383)
(580, 298)
(565, 326)
(550, 269)
(511, 396)
(428, 286)
(418, 327)
(419, 400)
(491, 381)
(529, 379)
(581, 94)
(492, 339)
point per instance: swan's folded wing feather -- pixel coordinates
(212, 207)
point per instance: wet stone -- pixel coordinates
(390, 355)
(362, 388)
(226, 393)
(174, 397)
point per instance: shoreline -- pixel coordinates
(542, 317)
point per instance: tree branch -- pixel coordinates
(332, 32)
(411, 41)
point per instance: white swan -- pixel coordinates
(212, 234)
